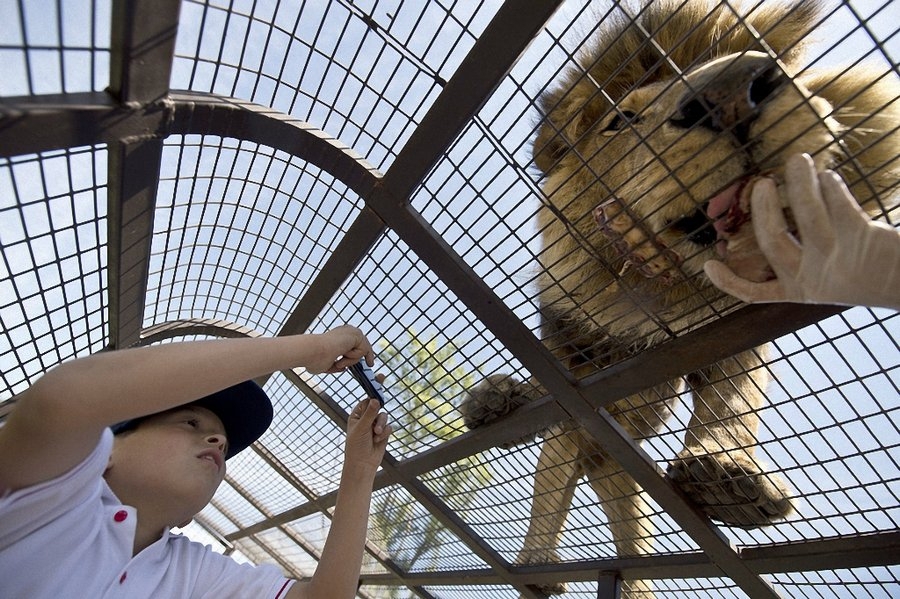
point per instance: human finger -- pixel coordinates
(805, 199)
(380, 423)
(343, 362)
(380, 439)
(370, 411)
(840, 203)
(359, 410)
(775, 240)
(352, 356)
(725, 279)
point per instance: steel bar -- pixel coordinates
(142, 49)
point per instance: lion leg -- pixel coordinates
(628, 515)
(717, 468)
(555, 479)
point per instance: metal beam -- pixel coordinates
(879, 549)
(493, 55)
(609, 585)
(142, 48)
(211, 114)
(34, 124)
(131, 198)
(744, 329)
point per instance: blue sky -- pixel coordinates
(838, 400)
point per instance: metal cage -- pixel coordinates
(224, 168)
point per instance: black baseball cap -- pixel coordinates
(244, 409)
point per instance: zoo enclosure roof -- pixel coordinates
(178, 170)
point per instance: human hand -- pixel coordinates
(367, 434)
(841, 257)
(338, 348)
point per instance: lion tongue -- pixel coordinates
(720, 204)
(737, 245)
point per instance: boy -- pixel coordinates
(86, 514)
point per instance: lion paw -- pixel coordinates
(557, 588)
(541, 557)
(497, 396)
(635, 242)
(732, 490)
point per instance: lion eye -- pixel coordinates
(621, 119)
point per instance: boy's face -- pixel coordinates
(173, 461)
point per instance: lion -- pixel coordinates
(647, 152)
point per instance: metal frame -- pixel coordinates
(140, 111)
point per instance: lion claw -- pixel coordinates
(638, 247)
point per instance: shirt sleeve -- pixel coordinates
(24, 511)
(217, 576)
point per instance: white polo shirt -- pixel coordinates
(71, 537)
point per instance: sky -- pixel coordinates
(837, 401)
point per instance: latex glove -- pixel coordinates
(842, 256)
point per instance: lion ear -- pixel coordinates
(567, 113)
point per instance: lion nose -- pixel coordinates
(726, 97)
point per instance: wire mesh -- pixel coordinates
(470, 246)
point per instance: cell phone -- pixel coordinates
(362, 373)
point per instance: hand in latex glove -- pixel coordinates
(842, 257)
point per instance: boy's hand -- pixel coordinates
(338, 572)
(367, 434)
(841, 256)
(339, 348)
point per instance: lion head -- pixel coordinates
(649, 149)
